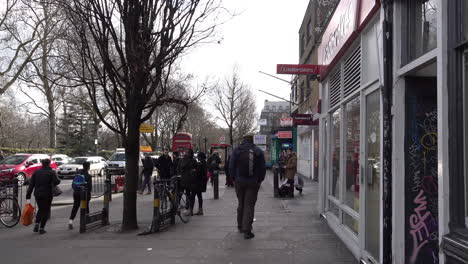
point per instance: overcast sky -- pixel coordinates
(264, 34)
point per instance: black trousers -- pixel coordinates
(247, 193)
(76, 204)
(146, 181)
(199, 197)
(44, 204)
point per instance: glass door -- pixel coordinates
(371, 170)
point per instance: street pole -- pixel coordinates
(205, 143)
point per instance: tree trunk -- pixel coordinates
(132, 146)
(231, 140)
(52, 127)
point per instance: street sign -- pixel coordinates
(284, 134)
(222, 139)
(284, 122)
(146, 128)
(146, 149)
(304, 120)
(262, 122)
(259, 139)
(299, 69)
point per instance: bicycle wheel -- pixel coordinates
(184, 210)
(10, 212)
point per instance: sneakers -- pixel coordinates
(70, 226)
(36, 228)
(249, 235)
(200, 212)
(42, 231)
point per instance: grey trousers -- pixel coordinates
(247, 197)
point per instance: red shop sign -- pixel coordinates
(284, 134)
(299, 69)
(304, 120)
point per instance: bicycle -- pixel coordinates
(179, 202)
(10, 210)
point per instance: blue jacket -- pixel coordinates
(259, 163)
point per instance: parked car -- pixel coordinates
(69, 170)
(61, 159)
(22, 166)
(116, 163)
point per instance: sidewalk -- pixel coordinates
(286, 231)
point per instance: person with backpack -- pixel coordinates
(43, 181)
(148, 166)
(213, 164)
(247, 167)
(81, 180)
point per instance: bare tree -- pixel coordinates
(126, 50)
(234, 103)
(13, 41)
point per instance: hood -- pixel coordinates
(71, 166)
(7, 166)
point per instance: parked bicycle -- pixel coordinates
(172, 200)
(10, 210)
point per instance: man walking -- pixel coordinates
(147, 173)
(164, 165)
(247, 166)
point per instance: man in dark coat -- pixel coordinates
(147, 172)
(42, 182)
(76, 193)
(199, 184)
(187, 167)
(247, 166)
(164, 165)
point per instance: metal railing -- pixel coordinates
(99, 218)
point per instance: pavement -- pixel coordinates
(286, 231)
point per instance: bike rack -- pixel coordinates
(100, 218)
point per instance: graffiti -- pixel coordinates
(419, 230)
(421, 187)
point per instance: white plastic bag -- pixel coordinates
(298, 182)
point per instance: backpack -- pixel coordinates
(78, 181)
(245, 163)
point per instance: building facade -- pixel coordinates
(393, 149)
(270, 117)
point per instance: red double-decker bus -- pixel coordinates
(181, 142)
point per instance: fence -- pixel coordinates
(100, 187)
(11, 188)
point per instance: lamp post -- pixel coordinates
(205, 139)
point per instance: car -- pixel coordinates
(22, 166)
(116, 163)
(61, 159)
(69, 170)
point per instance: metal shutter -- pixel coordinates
(352, 73)
(335, 88)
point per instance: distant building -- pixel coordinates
(271, 113)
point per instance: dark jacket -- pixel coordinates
(187, 168)
(213, 163)
(148, 164)
(88, 179)
(164, 165)
(42, 182)
(259, 163)
(199, 184)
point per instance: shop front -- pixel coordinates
(350, 129)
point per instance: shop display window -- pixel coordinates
(352, 133)
(335, 153)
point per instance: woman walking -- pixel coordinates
(199, 184)
(42, 182)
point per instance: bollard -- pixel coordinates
(107, 197)
(215, 184)
(155, 226)
(109, 178)
(275, 181)
(83, 207)
(15, 194)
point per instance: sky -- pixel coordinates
(263, 34)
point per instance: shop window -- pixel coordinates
(352, 130)
(333, 208)
(351, 223)
(335, 153)
(420, 27)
